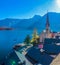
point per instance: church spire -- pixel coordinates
(47, 23)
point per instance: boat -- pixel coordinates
(5, 28)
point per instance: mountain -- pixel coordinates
(35, 22)
(19, 23)
(8, 22)
(26, 23)
(54, 20)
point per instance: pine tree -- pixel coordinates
(27, 40)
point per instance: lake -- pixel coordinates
(8, 38)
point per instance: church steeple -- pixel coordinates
(47, 24)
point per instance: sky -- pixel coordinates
(20, 9)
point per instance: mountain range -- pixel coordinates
(37, 21)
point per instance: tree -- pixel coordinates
(27, 40)
(35, 37)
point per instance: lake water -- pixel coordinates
(9, 38)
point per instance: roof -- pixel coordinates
(51, 40)
(39, 57)
(52, 48)
(16, 57)
(22, 58)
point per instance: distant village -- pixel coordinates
(47, 36)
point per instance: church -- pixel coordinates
(47, 36)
